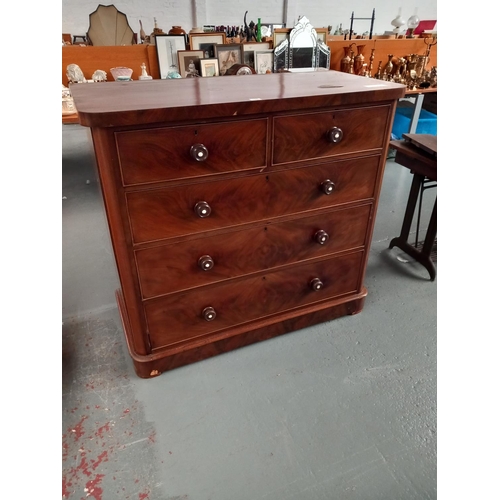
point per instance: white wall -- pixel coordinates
(190, 13)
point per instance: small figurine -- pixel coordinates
(144, 75)
(99, 76)
(249, 29)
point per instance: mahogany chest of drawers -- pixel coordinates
(239, 208)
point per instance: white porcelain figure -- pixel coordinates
(144, 75)
(75, 74)
(99, 76)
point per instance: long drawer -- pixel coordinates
(188, 315)
(171, 268)
(191, 151)
(190, 209)
(328, 134)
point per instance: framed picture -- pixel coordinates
(208, 50)
(280, 34)
(189, 62)
(211, 38)
(249, 58)
(257, 46)
(166, 50)
(267, 29)
(228, 54)
(264, 61)
(322, 32)
(249, 49)
(209, 67)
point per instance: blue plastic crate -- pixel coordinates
(427, 122)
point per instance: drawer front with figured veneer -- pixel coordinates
(172, 153)
(190, 209)
(328, 134)
(186, 316)
(171, 268)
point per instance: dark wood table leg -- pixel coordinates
(423, 256)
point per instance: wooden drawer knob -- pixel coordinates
(209, 313)
(321, 237)
(206, 262)
(198, 152)
(316, 284)
(335, 135)
(202, 209)
(327, 186)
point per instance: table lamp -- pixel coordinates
(412, 24)
(398, 22)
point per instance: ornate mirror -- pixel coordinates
(302, 50)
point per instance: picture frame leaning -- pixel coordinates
(166, 51)
(198, 39)
(228, 54)
(264, 61)
(189, 63)
(209, 67)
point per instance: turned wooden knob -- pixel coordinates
(206, 262)
(327, 186)
(316, 284)
(209, 313)
(198, 152)
(335, 135)
(321, 237)
(202, 209)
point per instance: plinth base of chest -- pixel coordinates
(242, 335)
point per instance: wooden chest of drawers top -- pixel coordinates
(135, 103)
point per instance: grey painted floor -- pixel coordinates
(345, 410)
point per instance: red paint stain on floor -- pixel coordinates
(103, 457)
(106, 427)
(65, 448)
(93, 488)
(144, 496)
(78, 429)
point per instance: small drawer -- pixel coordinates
(328, 134)
(186, 316)
(172, 268)
(191, 209)
(191, 151)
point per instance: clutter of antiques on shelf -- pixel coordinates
(260, 48)
(409, 70)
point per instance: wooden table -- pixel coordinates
(418, 152)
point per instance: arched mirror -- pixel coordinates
(302, 50)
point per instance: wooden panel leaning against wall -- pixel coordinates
(91, 58)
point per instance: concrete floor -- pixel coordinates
(344, 410)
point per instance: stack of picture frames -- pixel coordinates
(211, 54)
